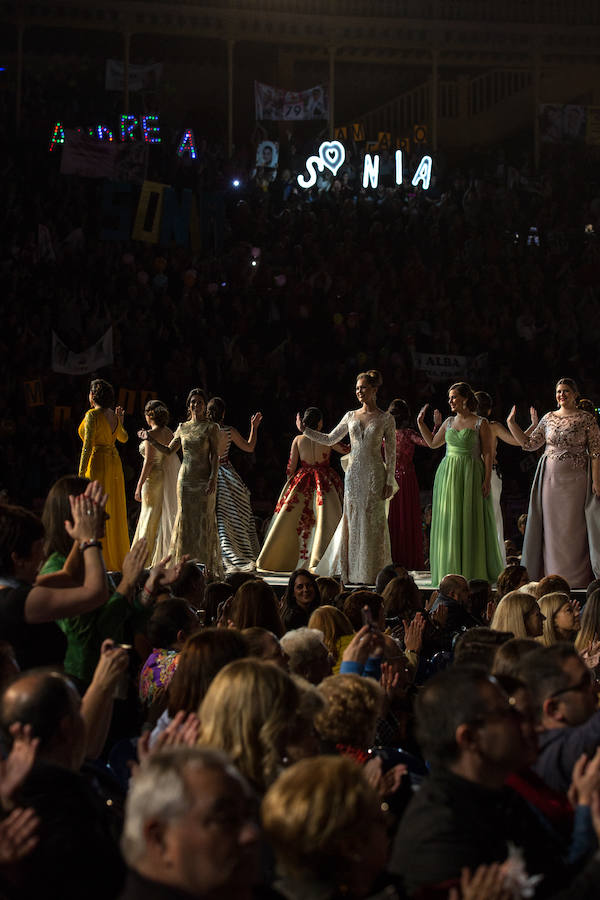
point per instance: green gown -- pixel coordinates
(464, 540)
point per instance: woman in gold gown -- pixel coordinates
(100, 461)
(157, 486)
(195, 529)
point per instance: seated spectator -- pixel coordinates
(190, 829)
(329, 588)
(463, 815)
(478, 646)
(215, 594)
(480, 596)
(387, 574)
(337, 631)
(307, 654)
(586, 642)
(592, 586)
(190, 584)
(254, 604)
(171, 623)
(253, 712)
(520, 614)
(348, 721)
(300, 600)
(509, 655)
(75, 844)
(355, 604)
(401, 600)
(28, 613)
(453, 596)
(552, 584)
(203, 655)
(325, 824)
(565, 708)
(561, 622)
(264, 645)
(511, 579)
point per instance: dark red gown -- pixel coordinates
(404, 520)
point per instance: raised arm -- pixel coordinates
(531, 441)
(46, 604)
(149, 458)
(328, 439)
(432, 440)
(120, 432)
(249, 445)
(89, 431)
(213, 442)
(487, 451)
(173, 447)
(503, 434)
(294, 458)
(389, 438)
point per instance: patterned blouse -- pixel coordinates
(575, 437)
(156, 674)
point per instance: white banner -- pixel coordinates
(69, 363)
(279, 105)
(449, 366)
(141, 78)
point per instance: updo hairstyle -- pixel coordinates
(158, 412)
(399, 409)
(102, 393)
(215, 410)
(373, 377)
(570, 382)
(484, 403)
(465, 390)
(311, 418)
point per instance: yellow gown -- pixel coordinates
(101, 462)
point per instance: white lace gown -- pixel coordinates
(360, 547)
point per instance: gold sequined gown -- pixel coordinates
(360, 547)
(100, 461)
(195, 529)
(563, 523)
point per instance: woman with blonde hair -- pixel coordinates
(348, 720)
(520, 614)
(324, 822)
(360, 547)
(561, 618)
(336, 628)
(252, 711)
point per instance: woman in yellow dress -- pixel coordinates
(195, 529)
(101, 427)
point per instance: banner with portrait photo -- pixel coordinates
(562, 123)
(267, 154)
(278, 105)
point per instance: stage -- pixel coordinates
(279, 580)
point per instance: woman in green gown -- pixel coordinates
(464, 540)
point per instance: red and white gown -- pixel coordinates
(305, 519)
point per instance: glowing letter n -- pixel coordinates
(371, 171)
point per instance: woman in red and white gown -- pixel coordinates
(309, 506)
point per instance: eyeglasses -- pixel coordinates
(584, 684)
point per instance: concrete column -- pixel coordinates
(331, 92)
(434, 98)
(126, 49)
(19, 97)
(230, 46)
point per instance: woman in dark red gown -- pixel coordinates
(404, 519)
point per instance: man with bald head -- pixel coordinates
(76, 853)
(453, 595)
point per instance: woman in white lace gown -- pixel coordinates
(157, 486)
(360, 547)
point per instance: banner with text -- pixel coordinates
(279, 105)
(70, 363)
(140, 78)
(449, 366)
(83, 155)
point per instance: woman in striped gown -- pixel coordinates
(235, 522)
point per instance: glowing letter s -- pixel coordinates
(312, 164)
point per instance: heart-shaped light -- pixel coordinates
(333, 154)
